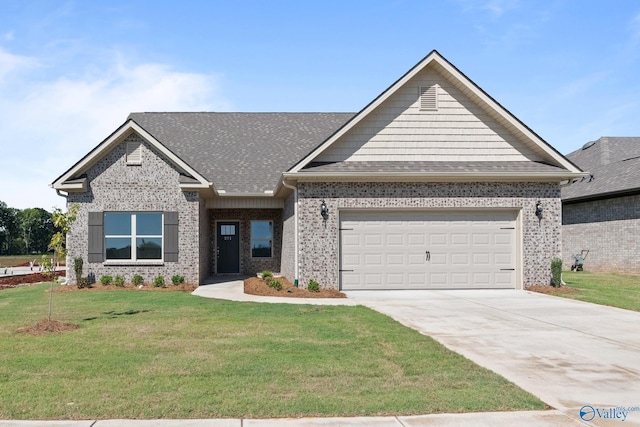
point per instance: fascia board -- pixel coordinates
(435, 176)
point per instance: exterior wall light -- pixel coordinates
(539, 210)
(324, 211)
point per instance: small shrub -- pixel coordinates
(556, 272)
(275, 284)
(137, 280)
(313, 286)
(158, 282)
(177, 280)
(106, 280)
(84, 282)
(77, 267)
(118, 281)
(266, 275)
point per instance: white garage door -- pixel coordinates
(427, 250)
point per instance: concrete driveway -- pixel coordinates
(568, 353)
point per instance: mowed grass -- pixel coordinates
(14, 260)
(173, 355)
(616, 290)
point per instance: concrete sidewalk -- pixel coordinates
(481, 419)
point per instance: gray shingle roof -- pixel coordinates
(614, 163)
(241, 152)
(431, 167)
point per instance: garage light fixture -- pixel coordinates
(324, 211)
(539, 210)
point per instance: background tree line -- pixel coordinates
(24, 231)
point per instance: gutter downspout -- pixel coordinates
(295, 227)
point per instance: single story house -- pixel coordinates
(601, 212)
(432, 185)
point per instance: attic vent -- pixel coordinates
(428, 98)
(134, 153)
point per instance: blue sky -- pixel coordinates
(71, 71)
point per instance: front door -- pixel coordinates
(228, 247)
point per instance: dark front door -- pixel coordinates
(228, 247)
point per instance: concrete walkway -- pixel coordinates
(486, 419)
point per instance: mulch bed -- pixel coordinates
(185, 287)
(47, 326)
(553, 291)
(256, 286)
(13, 281)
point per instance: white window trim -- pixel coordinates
(134, 236)
(270, 240)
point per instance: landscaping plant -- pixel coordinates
(275, 284)
(266, 275)
(137, 280)
(158, 282)
(313, 286)
(556, 272)
(63, 222)
(177, 280)
(77, 267)
(118, 281)
(106, 280)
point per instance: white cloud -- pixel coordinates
(11, 64)
(49, 125)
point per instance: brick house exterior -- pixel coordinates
(601, 213)
(432, 185)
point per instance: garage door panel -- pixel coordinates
(395, 259)
(460, 260)
(416, 259)
(395, 239)
(388, 250)
(415, 239)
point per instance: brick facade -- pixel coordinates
(248, 265)
(609, 229)
(152, 186)
(319, 246)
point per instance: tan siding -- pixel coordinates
(399, 130)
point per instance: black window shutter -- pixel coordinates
(171, 236)
(96, 237)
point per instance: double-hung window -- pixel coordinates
(261, 239)
(133, 236)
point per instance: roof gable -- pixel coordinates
(72, 179)
(393, 127)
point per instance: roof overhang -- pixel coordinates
(429, 177)
(72, 181)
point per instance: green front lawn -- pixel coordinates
(144, 354)
(603, 288)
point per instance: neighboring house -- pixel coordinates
(432, 185)
(601, 212)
